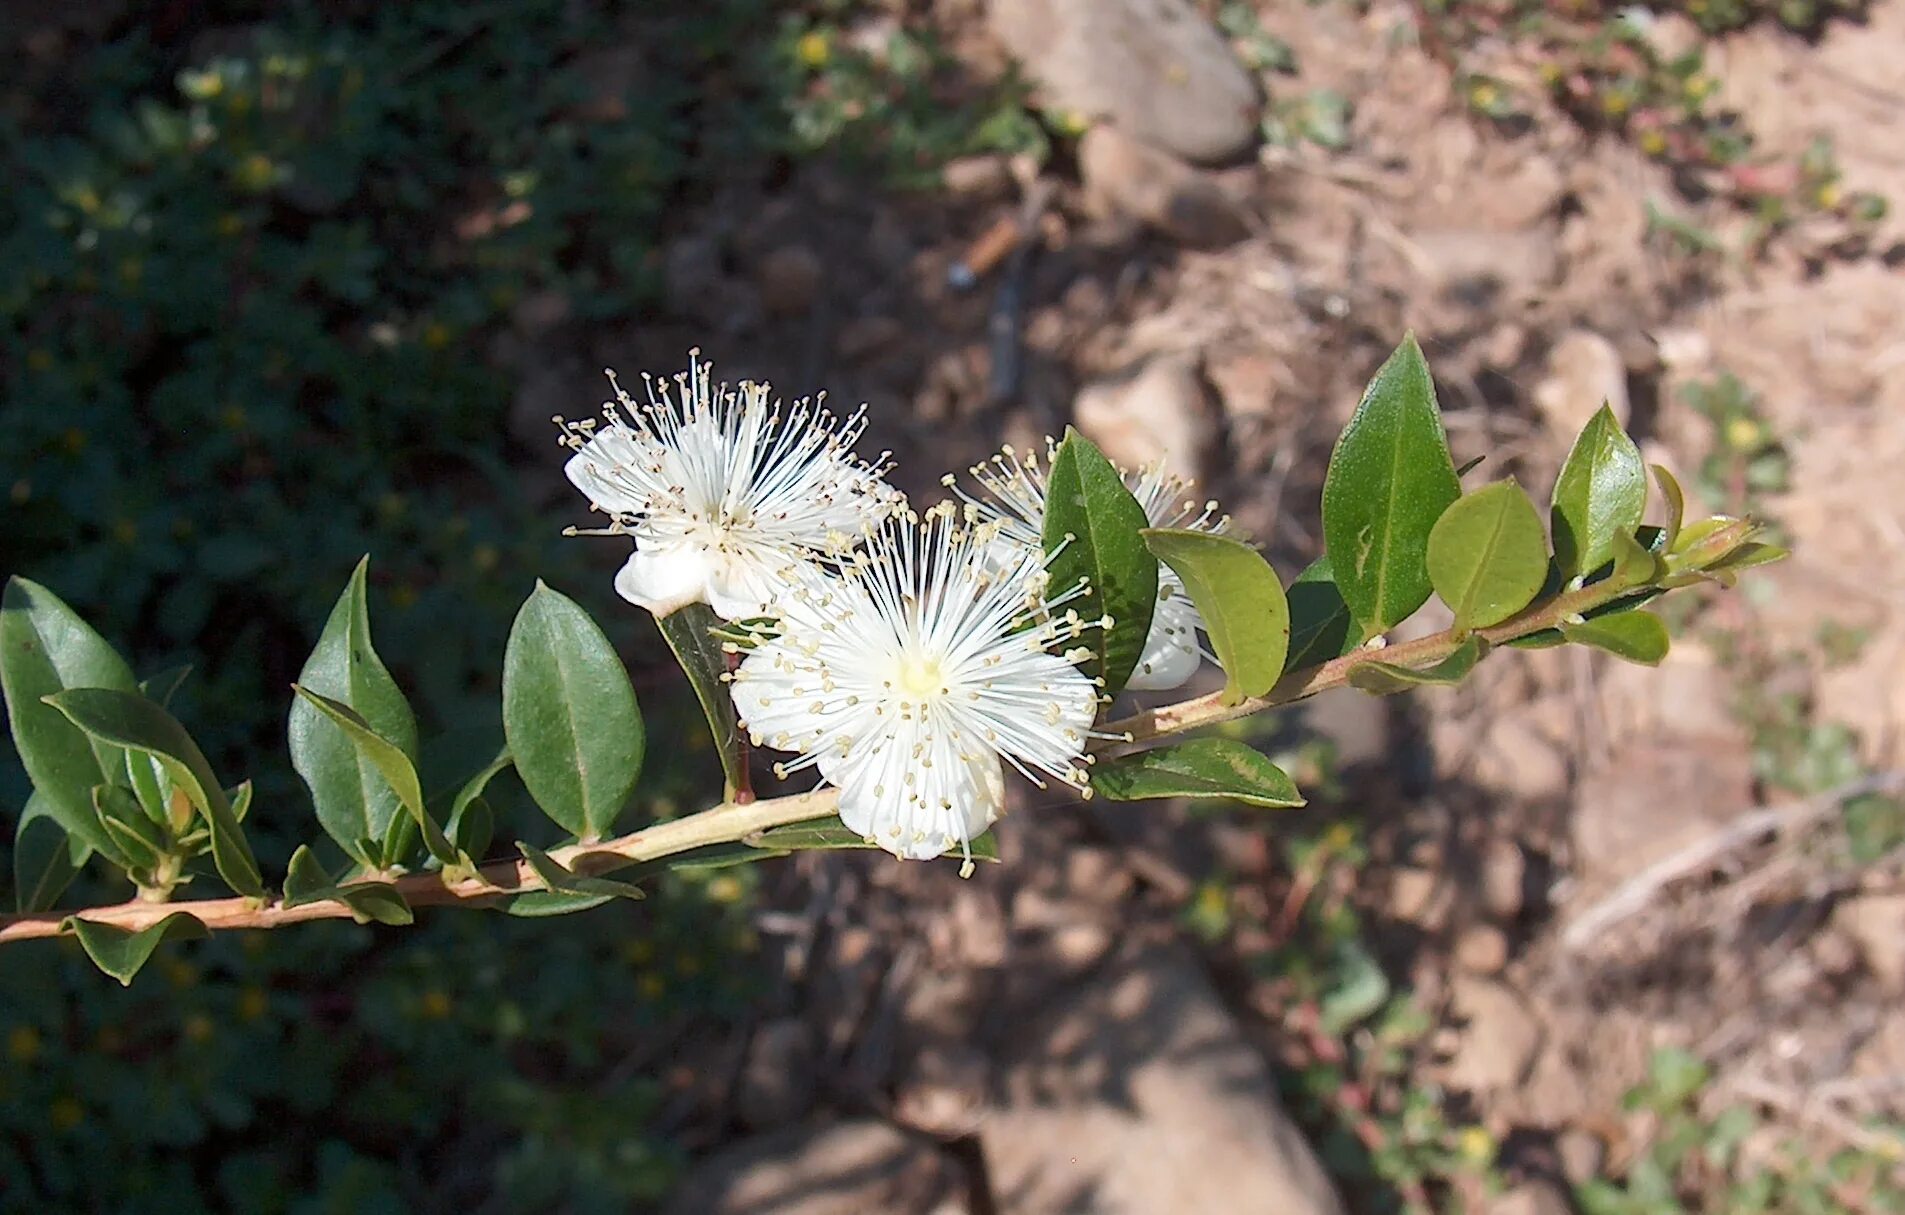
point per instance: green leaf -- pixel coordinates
(540, 904)
(1636, 636)
(472, 822)
(1321, 627)
(1602, 491)
(1359, 988)
(1747, 555)
(566, 881)
(1202, 767)
(393, 765)
(830, 834)
(1390, 478)
(120, 952)
(1091, 528)
(306, 882)
(127, 719)
(1676, 505)
(1385, 678)
(46, 857)
(689, 632)
(1241, 600)
(140, 840)
(1487, 556)
(44, 648)
(569, 714)
(354, 801)
(150, 785)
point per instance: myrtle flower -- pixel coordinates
(729, 494)
(914, 677)
(1014, 496)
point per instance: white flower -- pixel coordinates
(729, 494)
(914, 677)
(1015, 491)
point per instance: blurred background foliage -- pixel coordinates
(254, 259)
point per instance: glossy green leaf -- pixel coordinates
(120, 952)
(830, 834)
(139, 839)
(127, 719)
(1321, 627)
(393, 765)
(45, 648)
(1241, 601)
(565, 881)
(1602, 491)
(149, 783)
(46, 857)
(472, 823)
(1390, 478)
(1635, 564)
(570, 716)
(1676, 505)
(541, 904)
(1386, 678)
(1636, 636)
(690, 633)
(1202, 767)
(355, 803)
(306, 882)
(1092, 526)
(1487, 555)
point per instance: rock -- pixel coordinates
(1420, 897)
(1160, 410)
(1482, 949)
(1486, 268)
(1137, 1092)
(1499, 1035)
(850, 1168)
(865, 336)
(1156, 68)
(789, 279)
(778, 1079)
(1876, 924)
(1582, 1154)
(1126, 177)
(1584, 370)
(1504, 878)
(1532, 1198)
(982, 176)
(1246, 384)
(1355, 723)
(1656, 797)
(1515, 758)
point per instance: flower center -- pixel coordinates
(920, 677)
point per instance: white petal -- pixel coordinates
(747, 585)
(664, 579)
(911, 819)
(610, 470)
(1170, 654)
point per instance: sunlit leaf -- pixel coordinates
(1601, 492)
(1487, 556)
(355, 802)
(1390, 478)
(1241, 601)
(1202, 767)
(127, 719)
(1092, 526)
(569, 712)
(1636, 636)
(44, 648)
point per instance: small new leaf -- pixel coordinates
(306, 882)
(1487, 556)
(1602, 492)
(120, 952)
(1636, 636)
(1390, 478)
(1091, 529)
(570, 715)
(1203, 767)
(1676, 505)
(1241, 601)
(566, 881)
(129, 720)
(1387, 678)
